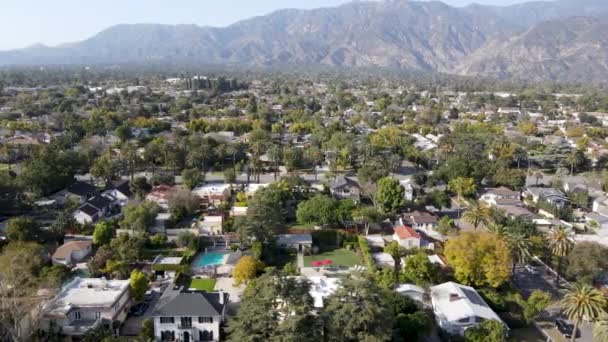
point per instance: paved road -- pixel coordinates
(544, 280)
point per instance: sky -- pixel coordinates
(51, 22)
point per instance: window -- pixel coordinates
(186, 322)
(77, 315)
(165, 320)
(464, 320)
(205, 335)
(167, 335)
(205, 319)
(97, 315)
(479, 319)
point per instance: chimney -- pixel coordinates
(222, 297)
(454, 297)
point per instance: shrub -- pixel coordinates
(366, 252)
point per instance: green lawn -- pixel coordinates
(340, 257)
(202, 284)
(3, 167)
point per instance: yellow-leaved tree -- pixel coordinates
(479, 259)
(246, 269)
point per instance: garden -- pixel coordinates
(339, 257)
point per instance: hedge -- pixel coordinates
(367, 253)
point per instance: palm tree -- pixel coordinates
(561, 242)
(520, 248)
(462, 187)
(583, 302)
(478, 215)
(538, 175)
(497, 229)
(600, 328)
(573, 159)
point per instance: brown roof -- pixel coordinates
(405, 232)
(67, 248)
(503, 191)
(421, 217)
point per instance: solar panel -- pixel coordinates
(474, 297)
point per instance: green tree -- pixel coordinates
(105, 168)
(463, 187)
(488, 331)
(271, 296)
(191, 178)
(24, 229)
(535, 304)
(419, 270)
(600, 328)
(319, 210)
(182, 203)
(395, 250)
(478, 215)
(583, 302)
(123, 132)
(147, 330)
(390, 196)
(187, 239)
(139, 217)
(140, 187)
(358, 311)
(138, 285)
(103, 233)
(229, 176)
(586, 261)
(561, 242)
(367, 216)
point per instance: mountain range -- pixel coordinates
(564, 40)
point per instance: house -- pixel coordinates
(458, 307)
(252, 188)
(409, 189)
(551, 196)
(165, 267)
(407, 237)
(120, 191)
(238, 211)
(93, 210)
(500, 196)
(213, 193)
(600, 205)
(416, 293)
(343, 187)
(72, 252)
(299, 242)
(189, 315)
(79, 192)
(597, 221)
(421, 220)
(211, 225)
(160, 195)
(86, 303)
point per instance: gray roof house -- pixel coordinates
(298, 242)
(552, 196)
(345, 188)
(189, 315)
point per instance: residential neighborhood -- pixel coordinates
(194, 204)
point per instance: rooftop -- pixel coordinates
(456, 301)
(180, 302)
(405, 232)
(67, 248)
(87, 292)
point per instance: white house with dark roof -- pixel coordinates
(458, 307)
(299, 242)
(94, 209)
(189, 316)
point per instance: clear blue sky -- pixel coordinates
(51, 22)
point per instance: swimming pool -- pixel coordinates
(209, 259)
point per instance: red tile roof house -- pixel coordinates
(407, 237)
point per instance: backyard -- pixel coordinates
(339, 257)
(207, 285)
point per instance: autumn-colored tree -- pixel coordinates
(246, 269)
(479, 259)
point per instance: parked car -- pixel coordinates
(532, 269)
(139, 309)
(149, 296)
(566, 328)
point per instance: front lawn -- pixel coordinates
(340, 257)
(202, 284)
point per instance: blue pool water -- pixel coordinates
(209, 259)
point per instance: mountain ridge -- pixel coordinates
(413, 35)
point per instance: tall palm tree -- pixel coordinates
(573, 159)
(499, 230)
(600, 328)
(478, 215)
(583, 302)
(520, 248)
(561, 242)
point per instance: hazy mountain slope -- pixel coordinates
(428, 36)
(574, 49)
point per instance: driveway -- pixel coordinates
(544, 280)
(133, 324)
